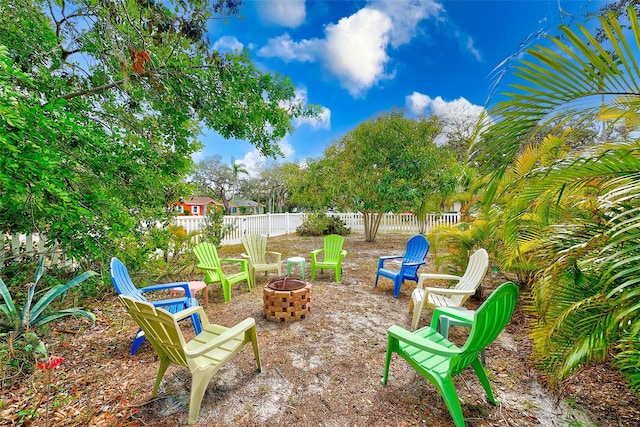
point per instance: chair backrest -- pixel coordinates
(417, 249)
(160, 328)
(333, 247)
(473, 275)
(489, 320)
(207, 256)
(122, 281)
(255, 245)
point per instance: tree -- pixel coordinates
(102, 106)
(213, 177)
(575, 208)
(386, 164)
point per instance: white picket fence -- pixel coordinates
(21, 245)
(286, 223)
(30, 246)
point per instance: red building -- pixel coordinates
(196, 207)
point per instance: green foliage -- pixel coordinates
(386, 164)
(19, 327)
(319, 224)
(214, 229)
(101, 106)
(572, 209)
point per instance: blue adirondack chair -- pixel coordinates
(124, 286)
(413, 258)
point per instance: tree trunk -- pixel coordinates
(371, 225)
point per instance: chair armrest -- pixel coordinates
(383, 259)
(276, 255)
(411, 338)
(424, 276)
(457, 313)
(227, 335)
(168, 286)
(450, 291)
(314, 254)
(413, 264)
(243, 262)
(435, 276)
(183, 314)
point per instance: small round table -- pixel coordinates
(194, 287)
(295, 260)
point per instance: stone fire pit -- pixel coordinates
(287, 299)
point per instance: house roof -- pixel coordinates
(251, 203)
(202, 201)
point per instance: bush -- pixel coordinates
(319, 224)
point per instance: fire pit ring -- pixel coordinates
(287, 299)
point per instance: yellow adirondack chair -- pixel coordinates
(255, 246)
(329, 257)
(211, 264)
(203, 355)
(465, 286)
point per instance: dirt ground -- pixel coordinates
(321, 371)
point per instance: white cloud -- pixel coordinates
(356, 49)
(227, 44)
(285, 48)
(405, 19)
(467, 44)
(459, 115)
(254, 162)
(285, 13)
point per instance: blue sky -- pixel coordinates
(356, 59)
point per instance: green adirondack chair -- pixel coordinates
(260, 259)
(211, 264)
(438, 360)
(329, 257)
(203, 355)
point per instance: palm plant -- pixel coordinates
(578, 214)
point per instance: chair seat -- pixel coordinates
(439, 363)
(455, 296)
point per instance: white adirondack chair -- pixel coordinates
(465, 286)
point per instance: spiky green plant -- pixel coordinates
(23, 324)
(578, 215)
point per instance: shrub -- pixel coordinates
(319, 224)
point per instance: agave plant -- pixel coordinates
(578, 214)
(23, 323)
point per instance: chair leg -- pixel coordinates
(450, 396)
(387, 360)
(253, 337)
(338, 274)
(226, 291)
(482, 376)
(396, 286)
(164, 364)
(417, 299)
(199, 383)
(137, 342)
